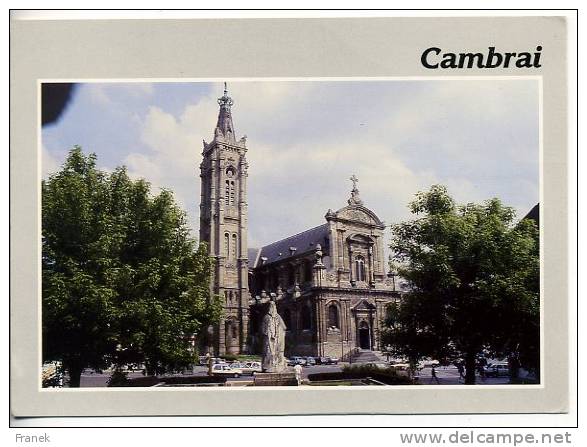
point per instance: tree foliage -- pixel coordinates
(473, 277)
(123, 283)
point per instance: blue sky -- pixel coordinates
(480, 138)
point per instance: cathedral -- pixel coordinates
(329, 282)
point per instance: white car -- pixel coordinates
(400, 366)
(427, 363)
(223, 369)
(497, 369)
(251, 367)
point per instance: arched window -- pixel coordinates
(333, 316)
(360, 268)
(306, 317)
(234, 246)
(234, 330)
(229, 193)
(232, 194)
(287, 319)
(226, 245)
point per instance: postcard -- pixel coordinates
(289, 216)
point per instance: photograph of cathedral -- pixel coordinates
(329, 282)
(192, 227)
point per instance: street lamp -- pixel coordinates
(392, 272)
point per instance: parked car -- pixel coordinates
(295, 360)
(400, 366)
(224, 369)
(497, 369)
(427, 363)
(310, 361)
(250, 368)
(326, 360)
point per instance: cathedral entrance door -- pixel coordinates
(364, 336)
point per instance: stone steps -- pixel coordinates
(366, 356)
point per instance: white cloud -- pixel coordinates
(108, 94)
(307, 138)
(49, 163)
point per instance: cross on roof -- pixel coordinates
(355, 180)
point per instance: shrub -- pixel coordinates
(361, 371)
(118, 378)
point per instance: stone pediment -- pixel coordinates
(359, 214)
(363, 305)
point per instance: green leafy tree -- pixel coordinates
(473, 278)
(122, 281)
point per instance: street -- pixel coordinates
(449, 375)
(446, 376)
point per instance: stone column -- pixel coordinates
(334, 251)
(318, 269)
(378, 315)
(244, 327)
(213, 249)
(320, 335)
(341, 250)
(222, 337)
(243, 227)
(371, 266)
(351, 275)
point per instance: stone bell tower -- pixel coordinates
(223, 226)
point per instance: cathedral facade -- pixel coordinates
(329, 282)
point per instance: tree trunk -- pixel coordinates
(514, 367)
(75, 373)
(470, 368)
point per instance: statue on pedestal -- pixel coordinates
(273, 330)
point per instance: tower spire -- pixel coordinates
(224, 126)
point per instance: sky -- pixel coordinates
(480, 138)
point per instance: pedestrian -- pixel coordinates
(298, 371)
(481, 371)
(461, 369)
(209, 363)
(433, 375)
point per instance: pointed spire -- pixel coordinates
(224, 126)
(355, 199)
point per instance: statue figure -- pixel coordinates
(273, 341)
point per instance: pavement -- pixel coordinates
(449, 375)
(446, 376)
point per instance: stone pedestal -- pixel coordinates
(276, 379)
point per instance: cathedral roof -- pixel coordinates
(534, 214)
(302, 243)
(252, 256)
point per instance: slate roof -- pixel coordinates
(303, 242)
(252, 254)
(534, 214)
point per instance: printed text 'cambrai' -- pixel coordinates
(434, 58)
